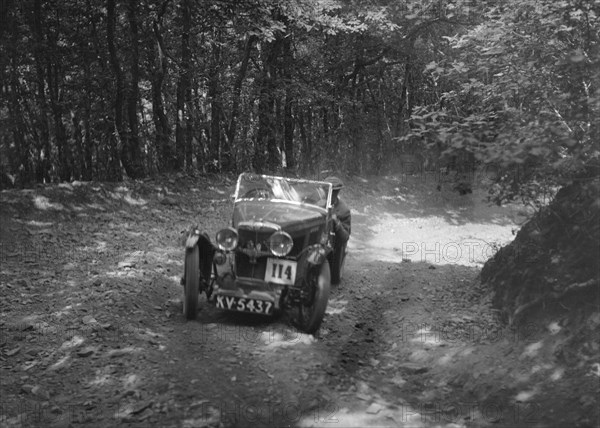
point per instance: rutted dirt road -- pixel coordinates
(92, 331)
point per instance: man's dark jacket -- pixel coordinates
(343, 227)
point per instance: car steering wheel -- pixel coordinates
(259, 192)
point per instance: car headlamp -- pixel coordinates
(227, 239)
(280, 243)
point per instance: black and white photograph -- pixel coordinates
(300, 213)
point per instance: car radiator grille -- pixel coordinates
(257, 270)
(242, 262)
(250, 270)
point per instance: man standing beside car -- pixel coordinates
(342, 226)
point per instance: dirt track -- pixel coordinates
(92, 331)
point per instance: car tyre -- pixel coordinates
(319, 284)
(192, 282)
(338, 258)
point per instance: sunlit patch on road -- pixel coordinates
(557, 374)
(427, 336)
(336, 306)
(38, 223)
(434, 240)
(73, 342)
(554, 327)
(62, 362)
(378, 414)
(524, 396)
(43, 203)
(532, 350)
(130, 381)
(101, 379)
(124, 351)
(283, 339)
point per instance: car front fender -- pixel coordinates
(207, 249)
(192, 239)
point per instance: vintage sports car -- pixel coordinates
(276, 256)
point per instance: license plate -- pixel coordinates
(280, 271)
(242, 304)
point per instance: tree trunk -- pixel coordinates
(54, 75)
(115, 160)
(65, 155)
(44, 151)
(403, 110)
(161, 121)
(183, 87)
(78, 139)
(278, 131)
(288, 119)
(326, 136)
(266, 143)
(132, 155)
(215, 144)
(87, 135)
(237, 90)
(305, 125)
(20, 150)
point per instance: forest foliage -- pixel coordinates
(103, 90)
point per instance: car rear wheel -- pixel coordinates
(192, 282)
(338, 258)
(314, 302)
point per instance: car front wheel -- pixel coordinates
(315, 298)
(192, 282)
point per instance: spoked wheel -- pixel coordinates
(337, 264)
(192, 282)
(314, 302)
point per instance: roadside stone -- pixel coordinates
(27, 388)
(123, 265)
(142, 406)
(398, 380)
(27, 326)
(32, 352)
(25, 283)
(167, 200)
(88, 319)
(12, 352)
(145, 414)
(414, 368)
(40, 392)
(86, 352)
(374, 408)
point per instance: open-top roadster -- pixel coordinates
(275, 255)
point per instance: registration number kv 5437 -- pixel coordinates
(245, 305)
(280, 271)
